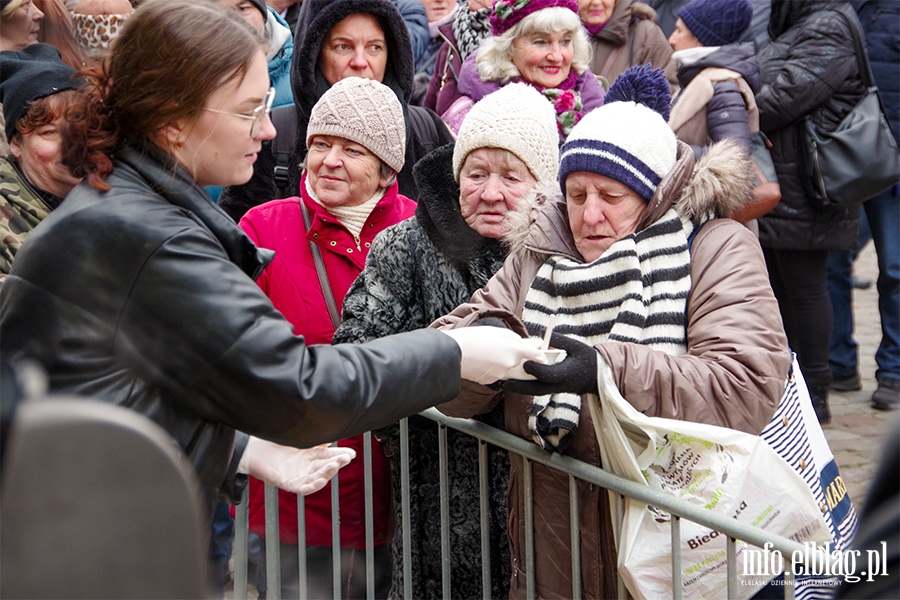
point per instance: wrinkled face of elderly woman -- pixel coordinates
(492, 181)
(20, 26)
(544, 58)
(601, 211)
(342, 172)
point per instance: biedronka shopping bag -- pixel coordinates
(729, 472)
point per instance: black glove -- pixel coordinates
(576, 374)
(489, 322)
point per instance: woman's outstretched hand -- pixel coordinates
(576, 373)
(492, 354)
(298, 470)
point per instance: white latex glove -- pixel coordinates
(298, 470)
(492, 354)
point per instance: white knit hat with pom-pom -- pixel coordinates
(517, 118)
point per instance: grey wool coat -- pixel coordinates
(416, 272)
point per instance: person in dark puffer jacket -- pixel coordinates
(717, 75)
(809, 68)
(317, 19)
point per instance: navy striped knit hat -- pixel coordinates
(625, 140)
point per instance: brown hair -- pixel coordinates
(170, 57)
(44, 111)
(58, 29)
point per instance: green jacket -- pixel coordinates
(21, 209)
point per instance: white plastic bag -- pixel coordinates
(731, 473)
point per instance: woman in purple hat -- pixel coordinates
(538, 42)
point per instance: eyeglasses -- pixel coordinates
(256, 116)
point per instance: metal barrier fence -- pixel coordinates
(575, 469)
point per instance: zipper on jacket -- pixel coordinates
(357, 240)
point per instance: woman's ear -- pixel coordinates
(15, 146)
(174, 135)
(388, 182)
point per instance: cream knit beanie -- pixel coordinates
(517, 118)
(363, 111)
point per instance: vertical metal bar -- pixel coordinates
(484, 502)
(336, 537)
(273, 548)
(620, 516)
(529, 532)
(241, 530)
(789, 584)
(731, 557)
(445, 511)
(575, 536)
(404, 505)
(370, 517)
(676, 557)
(301, 545)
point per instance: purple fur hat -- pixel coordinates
(506, 13)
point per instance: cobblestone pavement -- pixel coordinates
(857, 430)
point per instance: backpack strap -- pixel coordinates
(423, 127)
(284, 118)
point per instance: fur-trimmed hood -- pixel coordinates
(715, 187)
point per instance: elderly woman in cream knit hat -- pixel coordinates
(356, 143)
(422, 269)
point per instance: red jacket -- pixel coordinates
(293, 286)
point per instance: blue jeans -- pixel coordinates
(883, 215)
(221, 541)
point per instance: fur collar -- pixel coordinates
(715, 187)
(439, 214)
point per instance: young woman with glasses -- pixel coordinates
(139, 290)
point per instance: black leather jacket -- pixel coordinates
(143, 296)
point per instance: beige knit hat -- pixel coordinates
(517, 118)
(363, 111)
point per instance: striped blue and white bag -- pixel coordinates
(784, 482)
(796, 436)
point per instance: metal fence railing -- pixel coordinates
(575, 469)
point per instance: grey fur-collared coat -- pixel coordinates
(416, 272)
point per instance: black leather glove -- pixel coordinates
(576, 374)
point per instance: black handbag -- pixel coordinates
(858, 160)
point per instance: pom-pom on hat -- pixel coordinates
(363, 111)
(506, 13)
(516, 118)
(29, 74)
(717, 22)
(625, 139)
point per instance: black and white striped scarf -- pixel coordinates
(636, 292)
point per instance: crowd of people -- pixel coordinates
(293, 222)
